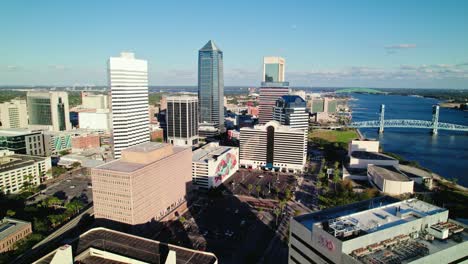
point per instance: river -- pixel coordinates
(445, 153)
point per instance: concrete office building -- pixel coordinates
(149, 182)
(97, 120)
(22, 141)
(94, 101)
(12, 231)
(128, 82)
(273, 147)
(48, 109)
(213, 164)
(381, 230)
(102, 245)
(16, 170)
(290, 110)
(211, 87)
(14, 114)
(361, 159)
(55, 142)
(323, 105)
(273, 69)
(182, 120)
(389, 179)
(363, 145)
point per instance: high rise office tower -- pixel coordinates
(49, 109)
(182, 120)
(14, 114)
(211, 87)
(273, 69)
(290, 110)
(273, 87)
(128, 82)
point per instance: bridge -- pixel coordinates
(434, 125)
(359, 90)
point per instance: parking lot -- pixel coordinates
(269, 182)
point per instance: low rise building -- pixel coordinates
(55, 142)
(273, 147)
(380, 230)
(213, 164)
(363, 145)
(150, 182)
(94, 120)
(361, 159)
(16, 170)
(389, 179)
(23, 141)
(101, 245)
(82, 142)
(12, 231)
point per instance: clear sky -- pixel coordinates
(419, 43)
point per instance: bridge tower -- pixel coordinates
(382, 114)
(435, 119)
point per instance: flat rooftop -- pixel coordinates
(10, 226)
(370, 155)
(134, 247)
(13, 132)
(146, 147)
(16, 161)
(389, 173)
(209, 152)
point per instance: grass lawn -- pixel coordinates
(334, 135)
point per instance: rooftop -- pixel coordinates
(389, 173)
(133, 247)
(15, 161)
(210, 46)
(370, 155)
(10, 226)
(208, 152)
(13, 132)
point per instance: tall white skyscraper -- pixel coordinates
(128, 81)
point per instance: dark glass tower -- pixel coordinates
(211, 86)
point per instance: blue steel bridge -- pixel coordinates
(434, 125)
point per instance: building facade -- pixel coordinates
(49, 109)
(380, 230)
(269, 93)
(22, 141)
(290, 110)
(213, 164)
(85, 141)
(128, 82)
(273, 147)
(14, 114)
(96, 120)
(148, 182)
(17, 170)
(182, 120)
(389, 180)
(273, 69)
(94, 101)
(12, 231)
(211, 86)
(55, 142)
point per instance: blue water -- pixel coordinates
(446, 153)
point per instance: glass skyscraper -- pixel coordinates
(211, 86)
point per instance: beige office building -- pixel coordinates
(149, 182)
(48, 109)
(14, 114)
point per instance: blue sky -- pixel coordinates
(325, 43)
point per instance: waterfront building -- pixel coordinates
(213, 164)
(274, 147)
(149, 182)
(48, 109)
(16, 170)
(102, 245)
(361, 159)
(363, 145)
(182, 120)
(211, 87)
(380, 230)
(389, 179)
(94, 101)
(128, 82)
(273, 69)
(290, 110)
(323, 105)
(14, 114)
(12, 231)
(22, 141)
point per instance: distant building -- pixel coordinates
(211, 86)
(182, 120)
(269, 93)
(14, 114)
(22, 141)
(323, 105)
(101, 245)
(290, 110)
(55, 142)
(157, 135)
(213, 164)
(97, 120)
(48, 109)
(389, 179)
(148, 183)
(273, 147)
(94, 101)
(85, 141)
(12, 231)
(361, 159)
(16, 170)
(273, 69)
(380, 230)
(128, 82)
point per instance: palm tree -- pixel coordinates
(258, 189)
(10, 213)
(336, 177)
(277, 213)
(250, 188)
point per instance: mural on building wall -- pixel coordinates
(225, 168)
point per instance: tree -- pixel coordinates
(182, 219)
(10, 213)
(288, 194)
(258, 189)
(336, 177)
(76, 164)
(250, 188)
(282, 205)
(336, 165)
(277, 213)
(52, 202)
(74, 207)
(277, 191)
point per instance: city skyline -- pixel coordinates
(326, 44)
